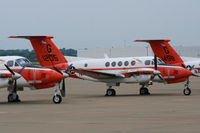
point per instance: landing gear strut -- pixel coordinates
(57, 97)
(144, 90)
(110, 92)
(187, 90)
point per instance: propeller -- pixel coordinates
(65, 75)
(15, 76)
(156, 72)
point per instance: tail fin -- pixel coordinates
(47, 53)
(164, 51)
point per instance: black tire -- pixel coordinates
(110, 92)
(144, 91)
(187, 91)
(11, 98)
(57, 99)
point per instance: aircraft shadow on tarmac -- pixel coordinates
(46, 101)
(127, 95)
(67, 100)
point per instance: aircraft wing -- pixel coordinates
(125, 74)
(141, 71)
(97, 74)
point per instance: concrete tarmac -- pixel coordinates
(85, 109)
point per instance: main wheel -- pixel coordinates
(187, 91)
(110, 92)
(144, 91)
(13, 98)
(57, 99)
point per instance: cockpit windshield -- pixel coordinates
(159, 61)
(23, 62)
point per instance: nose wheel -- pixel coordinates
(57, 99)
(187, 91)
(144, 91)
(13, 97)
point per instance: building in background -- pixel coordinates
(188, 51)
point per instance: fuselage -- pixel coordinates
(125, 65)
(34, 77)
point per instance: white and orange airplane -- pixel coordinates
(111, 71)
(166, 53)
(17, 72)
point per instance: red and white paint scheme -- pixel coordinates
(112, 71)
(165, 51)
(17, 72)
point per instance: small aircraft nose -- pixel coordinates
(16, 76)
(187, 73)
(57, 76)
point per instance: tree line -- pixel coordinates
(30, 54)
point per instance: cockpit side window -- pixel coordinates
(23, 62)
(10, 63)
(16, 64)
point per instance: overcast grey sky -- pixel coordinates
(99, 23)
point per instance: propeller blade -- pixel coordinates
(21, 70)
(57, 70)
(62, 91)
(11, 71)
(69, 68)
(155, 62)
(152, 77)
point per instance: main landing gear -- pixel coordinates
(110, 92)
(144, 90)
(187, 90)
(13, 97)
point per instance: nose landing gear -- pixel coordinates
(187, 90)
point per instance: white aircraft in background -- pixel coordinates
(111, 71)
(17, 72)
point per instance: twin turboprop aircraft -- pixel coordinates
(112, 71)
(164, 51)
(17, 72)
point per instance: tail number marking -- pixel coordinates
(50, 57)
(167, 57)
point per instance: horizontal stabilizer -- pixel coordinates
(31, 37)
(148, 41)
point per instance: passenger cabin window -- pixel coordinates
(126, 63)
(10, 63)
(113, 64)
(133, 63)
(107, 64)
(147, 62)
(119, 63)
(86, 65)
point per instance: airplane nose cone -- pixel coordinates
(57, 76)
(187, 73)
(16, 76)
